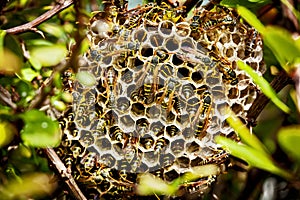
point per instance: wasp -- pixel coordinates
(167, 99)
(201, 117)
(110, 83)
(225, 68)
(149, 80)
(251, 41)
(195, 25)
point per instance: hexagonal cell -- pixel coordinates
(151, 157)
(166, 70)
(86, 138)
(142, 126)
(147, 141)
(123, 104)
(172, 44)
(176, 60)
(153, 112)
(187, 133)
(138, 109)
(172, 130)
(183, 29)
(140, 35)
(147, 51)
(197, 77)
(156, 40)
(171, 175)
(166, 28)
(192, 147)
(166, 159)
(127, 76)
(108, 160)
(183, 73)
(103, 144)
(178, 146)
(161, 144)
(157, 127)
(127, 121)
(183, 162)
(188, 90)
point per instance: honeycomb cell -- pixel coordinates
(156, 40)
(153, 112)
(171, 175)
(178, 146)
(166, 70)
(157, 127)
(103, 144)
(176, 60)
(142, 126)
(188, 90)
(183, 29)
(147, 142)
(108, 160)
(166, 28)
(123, 104)
(140, 35)
(183, 73)
(172, 130)
(197, 77)
(172, 44)
(127, 121)
(166, 159)
(86, 138)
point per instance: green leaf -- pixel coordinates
(252, 156)
(86, 78)
(244, 133)
(29, 186)
(283, 46)
(251, 18)
(47, 56)
(289, 140)
(53, 29)
(264, 86)
(28, 74)
(39, 130)
(150, 184)
(7, 132)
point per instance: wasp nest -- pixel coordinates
(162, 83)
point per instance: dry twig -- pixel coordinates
(278, 83)
(30, 26)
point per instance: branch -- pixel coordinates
(63, 171)
(278, 83)
(6, 97)
(30, 26)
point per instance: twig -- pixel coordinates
(41, 94)
(278, 83)
(63, 171)
(30, 26)
(5, 96)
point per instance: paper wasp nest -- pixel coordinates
(162, 83)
